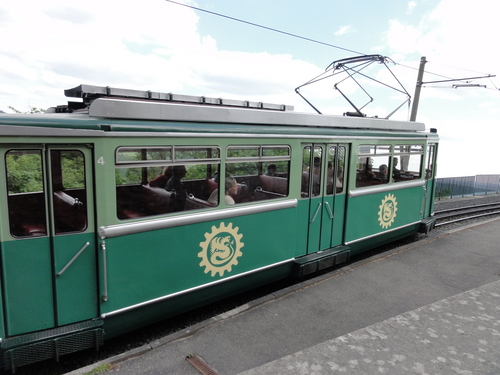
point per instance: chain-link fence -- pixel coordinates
(454, 187)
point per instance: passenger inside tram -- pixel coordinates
(340, 178)
(317, 166)
(396, 173)
(231, 186)
(366, 172)
(271, 170)
(382, 173)
(428, 172)
(161, 181)
(174, 185)
(330, 171)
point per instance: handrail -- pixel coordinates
(73, 259)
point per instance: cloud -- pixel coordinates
(411, 6)
(155, 45)
(343, 30)
(68, 14)
(453, 37)
(456, 37)
(455, 32)
(152, 45)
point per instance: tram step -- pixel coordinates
(322, 259)
(427, 224)
(52, 343)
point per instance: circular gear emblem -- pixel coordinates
(387, 211)
(221, 249)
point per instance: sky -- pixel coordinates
(157, 45)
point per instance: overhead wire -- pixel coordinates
(467, 70)
(265, 27)
(306, 38)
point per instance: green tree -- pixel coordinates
(73, 169)
(24, 172)
(32, 111)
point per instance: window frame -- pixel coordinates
(391, 150)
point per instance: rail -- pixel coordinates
(454, 215)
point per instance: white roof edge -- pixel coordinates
(149, 110)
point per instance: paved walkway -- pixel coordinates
(457, 335)
(432, 307)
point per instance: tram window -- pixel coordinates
(260, 173)
(68, 185)
(196, 153)
(330, 170)
(336, 180)
(275, 151)
(26, 196)
(161, 180)
(335, 172)
(307, 159)
(429, 170)
(373, 165)
(407, 162)
(72, 169)
(143, 155)
(243, 152)
(334, 177)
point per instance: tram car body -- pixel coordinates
(133, 206)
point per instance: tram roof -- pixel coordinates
(155, 110)
(164, 111)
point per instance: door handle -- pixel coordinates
(316, 213)
(330, 213)
(73, 259)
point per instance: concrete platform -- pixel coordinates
(457, 335)
(432, 307)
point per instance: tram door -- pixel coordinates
(429, 188)
(49, 261)
(323, 184)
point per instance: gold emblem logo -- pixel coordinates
(387, 211)
(221, 249)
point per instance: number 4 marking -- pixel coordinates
(101, 160)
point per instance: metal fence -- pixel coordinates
(455, 187)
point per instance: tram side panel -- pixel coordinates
(157, 265)
(166, 263)
(387, 193)
(383, 217)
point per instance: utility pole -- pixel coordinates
(418, 88)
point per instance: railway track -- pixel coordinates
(455, 215)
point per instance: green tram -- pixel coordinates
(132, 206)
